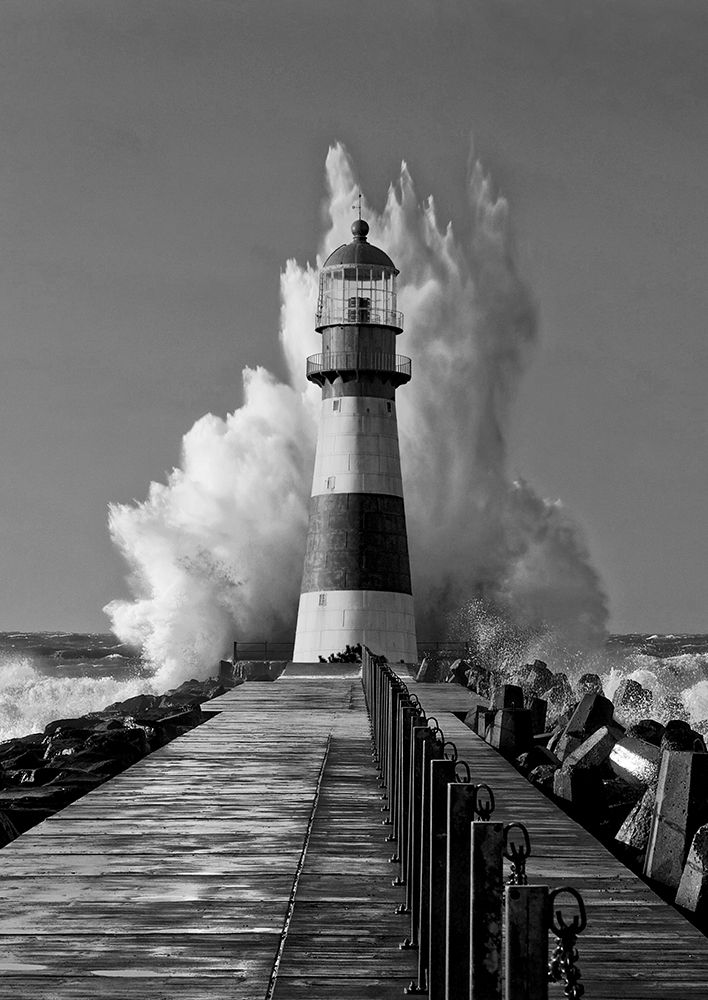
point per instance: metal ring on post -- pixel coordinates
(453, 755)
(517, 853)
(438, 736)
(579, 921)
(484, 809)
(466, 766)
(563, 966)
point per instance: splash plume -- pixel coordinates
(218, 550)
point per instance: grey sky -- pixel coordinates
(161, 159)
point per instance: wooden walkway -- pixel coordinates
(246, 860)
(176, 878)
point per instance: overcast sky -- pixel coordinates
(161, 159)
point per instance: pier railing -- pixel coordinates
(266, 649)
(468, 920)
(262, 649)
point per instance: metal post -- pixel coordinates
(526, 943)
(461, 799)
(397, 696)
(486, 889)
(385, 726)
(419, 737)
(442, 773)
(432, 751)
(409, 715)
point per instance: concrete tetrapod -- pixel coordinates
(681, 806)
(693, 888)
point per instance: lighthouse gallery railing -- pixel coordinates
(358, 361)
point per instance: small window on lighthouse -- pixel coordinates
(330, 482)
(388, 407)
(323, 600)
(335, 404)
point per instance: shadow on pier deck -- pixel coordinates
(247, 860)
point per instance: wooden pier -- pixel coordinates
(247, 860)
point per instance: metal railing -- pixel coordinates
(266, 649)
(334, 313)
(262, 649)
(358, 361)
(467, 918)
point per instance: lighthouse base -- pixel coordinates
(330, 620)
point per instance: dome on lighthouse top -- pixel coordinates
(359, 251)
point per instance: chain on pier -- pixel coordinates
(563, 967)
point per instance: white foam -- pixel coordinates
(30, 699)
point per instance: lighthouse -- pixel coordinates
(356, 584)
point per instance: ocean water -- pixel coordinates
(53, 675)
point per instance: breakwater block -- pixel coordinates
(536, 757)
(589, 684)
(681, 806)
(648, 730)
(539, 710)
(508, 696)
(559, 697)
(565, 744)
(634, 832)
(678, 735)
(511, 731)
(592, 713)
(594, 750)
(633, 699)
(458, 671)
(579, 771)
(693, 888)
(635, 760)
(430, 671)
(479, 680)
(538, 678)
(480, 720)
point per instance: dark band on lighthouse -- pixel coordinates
(356, 583)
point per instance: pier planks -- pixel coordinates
(175, 878)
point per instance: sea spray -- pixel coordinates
(217, 551)
(30, 698)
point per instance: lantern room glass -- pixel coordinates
(358, 293)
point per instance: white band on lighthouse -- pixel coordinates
(328, 621)
(357, 447)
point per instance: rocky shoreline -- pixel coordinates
(639, 785)
(43, 772)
